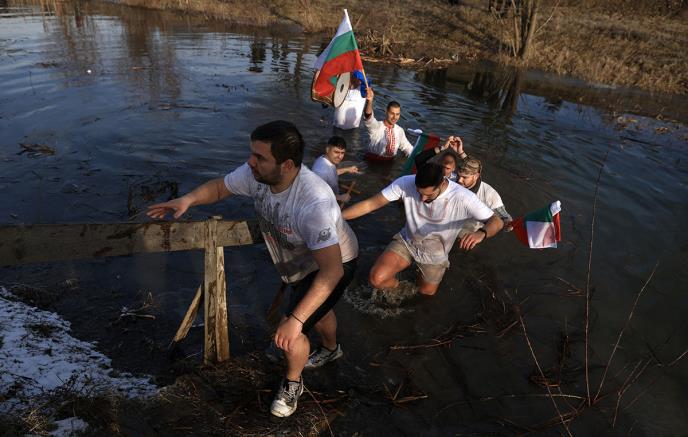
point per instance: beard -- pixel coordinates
(272, 178)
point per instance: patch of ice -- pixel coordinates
(38, 355)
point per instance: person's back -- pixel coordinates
(348, 114)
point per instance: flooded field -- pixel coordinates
(105, 109)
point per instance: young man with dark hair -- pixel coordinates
(326, 166)
(313, 249)
(435, 210)
(386, 137)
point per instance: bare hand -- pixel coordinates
(179, 206)
(508, 226)
(469, 241)
(352, 169)
(455, 143)
(287, 332)
(370, 95)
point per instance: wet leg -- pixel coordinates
(384, 272)
(327, 329)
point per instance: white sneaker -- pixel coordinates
(287, 397)
(322, 356)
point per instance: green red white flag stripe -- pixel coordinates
(340, 56)
(540, 229)
(424, 142)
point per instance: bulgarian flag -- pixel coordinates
(340, 56)
(540, 229)
(424, 142)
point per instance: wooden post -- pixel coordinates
(216, 347)
(189, 317)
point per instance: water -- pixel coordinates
(139, 106)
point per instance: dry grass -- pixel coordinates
(623, 43)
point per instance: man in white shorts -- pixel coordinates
(326, 166)
(313, 249)
(435, 210)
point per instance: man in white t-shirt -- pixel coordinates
(326, 166)
(313, 249)
(435, 211)
(348, 114)
(469, 177)
(386, 137)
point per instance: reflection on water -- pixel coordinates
(140, 105)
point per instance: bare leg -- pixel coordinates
(327, 329)
(296, 359)
(426, 288)
(384, 272)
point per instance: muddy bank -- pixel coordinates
(629, 44)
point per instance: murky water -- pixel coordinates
(136, 106)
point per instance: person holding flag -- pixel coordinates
(348, 114)
(386, 136)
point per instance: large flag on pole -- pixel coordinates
(340, 56)
(424, 142)
(540, 229)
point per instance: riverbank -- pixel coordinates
(622, 43)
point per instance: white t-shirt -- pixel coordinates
(489, 196)
(324, 168)
(348, 114)
(378, 138)
(300, 219)
(431, 228)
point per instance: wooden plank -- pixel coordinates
(216, 343)
(190, 316)
(22, 244)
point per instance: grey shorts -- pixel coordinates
(431, 273)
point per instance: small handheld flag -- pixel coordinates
(540, 229)
(424, 142)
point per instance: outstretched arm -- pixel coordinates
(368, 110)
(210, 192)
(364, 207)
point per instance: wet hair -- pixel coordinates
(470, 166)
(337, 142)
(285, 140)
(393, 104)
(429, 175)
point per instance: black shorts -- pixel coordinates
(301, 287)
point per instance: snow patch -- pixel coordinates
(38, 355)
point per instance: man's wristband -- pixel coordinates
(484, 232)
(300, 321)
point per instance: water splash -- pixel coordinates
(381, 303)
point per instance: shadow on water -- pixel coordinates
(140, 106)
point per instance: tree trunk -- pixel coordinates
(529, 10)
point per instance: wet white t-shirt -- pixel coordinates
(431, 228)
(348, 114)
(300, 219)
(328, 172)
(489, 196)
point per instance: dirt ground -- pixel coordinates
(620, 43)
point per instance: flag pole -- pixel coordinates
(365, 79)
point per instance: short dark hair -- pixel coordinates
(285, 140)
(429, 175)
(337, 142)
(393, 104)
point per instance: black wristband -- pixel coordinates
(299, 320)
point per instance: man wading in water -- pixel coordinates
(313, 249)
(435, 210)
